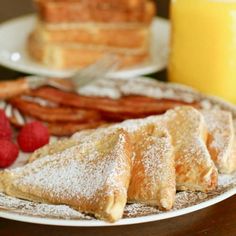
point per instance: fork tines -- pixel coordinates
(96, 71)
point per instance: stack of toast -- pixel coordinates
(75, 33)
(145, 160)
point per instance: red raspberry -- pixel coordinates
(8, 153)
(5, 133)
(33, 136)
(5, 127)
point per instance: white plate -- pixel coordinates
(127, 221)
(13, 35)
(186, 202)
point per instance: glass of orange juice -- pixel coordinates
(203, 46)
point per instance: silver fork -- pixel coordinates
(85, 76)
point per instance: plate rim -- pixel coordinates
(44, 71)
(6, 214)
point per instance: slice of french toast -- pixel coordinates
(221, 139)
(195, 170)
(153, 174)
(114, 35)
(153, 169)
(73, 55)
(96, 11)
(92, 177)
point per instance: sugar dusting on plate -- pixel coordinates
(183, 199)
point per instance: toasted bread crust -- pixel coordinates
(96, 11)
(72, 56)
(113, 35)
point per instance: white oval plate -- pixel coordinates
(13, 35)
(26, 212)
(126, 221)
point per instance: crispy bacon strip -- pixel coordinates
(12, 88)
(75, 112)
(135, 106)
(54, 114)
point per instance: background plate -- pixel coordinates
(13, 35)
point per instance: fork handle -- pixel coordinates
(13, 88)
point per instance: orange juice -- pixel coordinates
(203, 46)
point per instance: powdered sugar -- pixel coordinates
(157, 159)
(81, 176)
(220, 123)
(227, 180)
(221, 141)
(116, 88)
(183, 199)
(36, 209)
